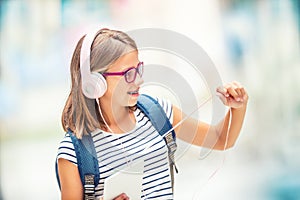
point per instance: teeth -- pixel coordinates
(134, 92)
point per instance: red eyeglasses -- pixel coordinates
(129, 74)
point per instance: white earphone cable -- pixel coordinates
(197, 194)
(107, 126)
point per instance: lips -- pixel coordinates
(136, 92)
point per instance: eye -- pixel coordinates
(130, 75)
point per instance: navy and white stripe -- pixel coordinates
(66, 150)
(116, 151)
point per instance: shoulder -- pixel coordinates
(166, 106)
(164, 103)
(66, 149)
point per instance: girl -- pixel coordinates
(106, 108)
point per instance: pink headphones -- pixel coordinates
(93, 83)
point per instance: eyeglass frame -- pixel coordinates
(123, 73)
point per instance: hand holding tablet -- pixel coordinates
(128, 181)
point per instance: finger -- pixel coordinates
(230, 99)
(239, 89)
(232, 92)
(122, 196)
(242, 90)
(239, 92)
(222, 98)
(242, 93)
(222, 90)
(245, 95)
(125, 197)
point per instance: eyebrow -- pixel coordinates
(123, 70)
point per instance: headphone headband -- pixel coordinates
(85, 52)
(93, 84)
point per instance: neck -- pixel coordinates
(119, 119)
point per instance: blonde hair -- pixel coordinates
(80, 114)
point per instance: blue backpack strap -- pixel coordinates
(153, 110)
(87, 164)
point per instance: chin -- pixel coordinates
(131, 102)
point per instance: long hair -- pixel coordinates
(80, 114)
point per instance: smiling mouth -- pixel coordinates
(133, 92)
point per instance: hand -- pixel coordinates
(122, 196)
(233, 95)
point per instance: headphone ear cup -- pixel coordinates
(95, 86)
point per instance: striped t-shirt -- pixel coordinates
(115, 151)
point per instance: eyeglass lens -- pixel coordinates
(131, 74)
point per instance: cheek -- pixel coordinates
(117, 87)
(117, 91)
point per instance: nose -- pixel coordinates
(138, 80)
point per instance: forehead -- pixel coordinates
(124, 62)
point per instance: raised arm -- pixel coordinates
(202, 134)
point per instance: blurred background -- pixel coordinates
(253, 41)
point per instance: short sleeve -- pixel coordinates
(66, 150)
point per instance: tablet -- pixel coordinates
(128, 181)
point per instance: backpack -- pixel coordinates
(87, 161)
